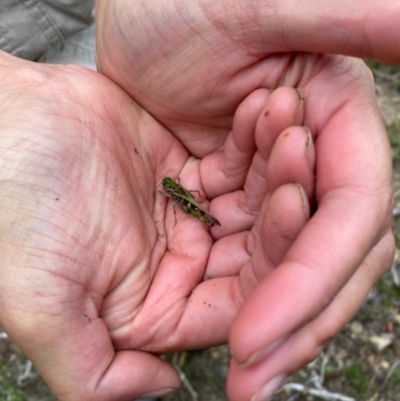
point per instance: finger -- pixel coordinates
(284, 109)
(286, 212)
(291, 161)
(281, 222)
(168, 301)
(260, 114)
(226, 171)
(261, 380)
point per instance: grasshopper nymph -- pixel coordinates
(185, 200)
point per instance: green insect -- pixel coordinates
(185, 200)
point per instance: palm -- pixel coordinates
(202, 66)
(91, 168)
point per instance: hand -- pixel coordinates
(191, 64)
(96, 278)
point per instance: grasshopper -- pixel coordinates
(185, 200)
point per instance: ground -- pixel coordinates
(362, 363)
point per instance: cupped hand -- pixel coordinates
(99, 275)
(190, 64)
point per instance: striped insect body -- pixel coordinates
(186, 202)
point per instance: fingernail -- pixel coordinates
(304, 201)
(309, 140)
(159, 393)
(262, 353)
(301, 97)
(269, 388)
(310, 150)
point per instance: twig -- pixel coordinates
(26, 374)
(318, 379)
(394, 366)
(321, 393)
(186, 383)
(389, 77)
(395, 274)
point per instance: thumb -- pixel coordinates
(136, 374)
(80, 363)
(361, 28)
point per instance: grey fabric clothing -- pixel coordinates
(78, 49)
(30, 28)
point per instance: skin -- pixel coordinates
(96, 280)
(190, 64)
